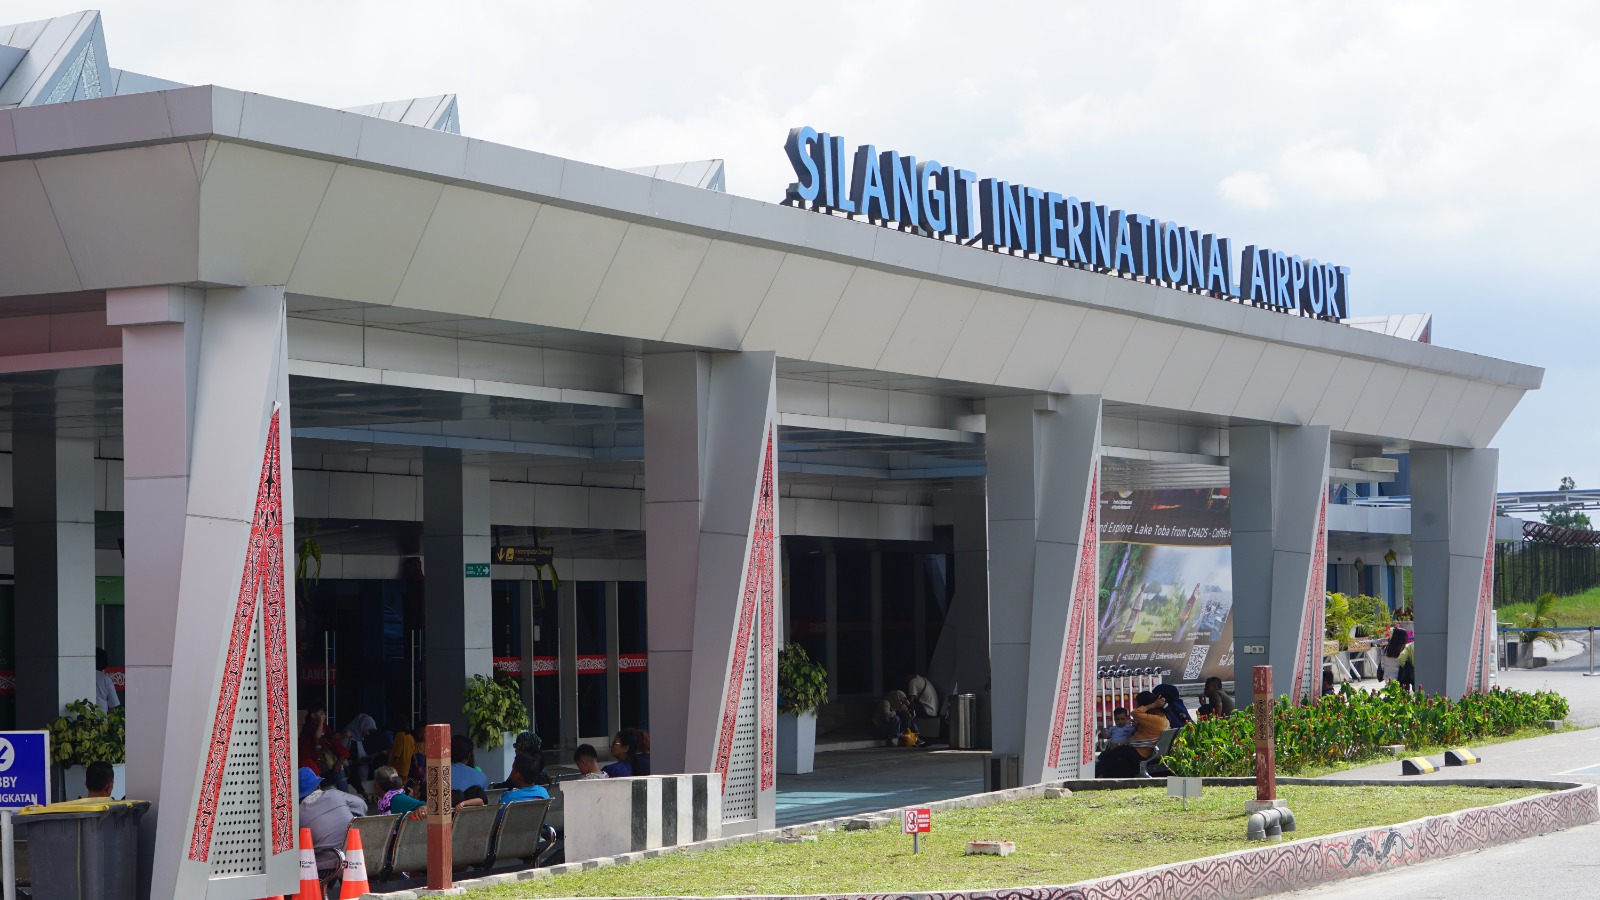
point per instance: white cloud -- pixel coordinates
(1248, 190)
(1331, 174)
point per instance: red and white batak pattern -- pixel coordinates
(766, 537)
(756, 585)
(1308, 652)
(1482, 639)
(262, 581)
(1077, 672)
(588, 664)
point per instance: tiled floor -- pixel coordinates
(857, 781)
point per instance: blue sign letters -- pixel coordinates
(899, 192)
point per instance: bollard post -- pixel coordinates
(1266, 762)
(436, 747)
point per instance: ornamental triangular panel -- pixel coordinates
(1308, 653)
(250, 731)
(1072, 732)
(745, 744)
(1478, 664)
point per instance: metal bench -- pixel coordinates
(410, 853)
(377, 840)
(470, 832)
(1161, 745)
(517, 834)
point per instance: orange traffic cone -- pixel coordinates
(355, 868)
(310, 884)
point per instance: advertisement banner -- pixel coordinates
(1166, 583)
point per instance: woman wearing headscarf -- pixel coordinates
(402, 752)
(1177, 714)
(356, 735)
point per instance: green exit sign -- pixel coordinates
(477, 570)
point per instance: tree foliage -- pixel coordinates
(1568, 515)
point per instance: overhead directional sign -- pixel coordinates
(24, 769)
(524, 556)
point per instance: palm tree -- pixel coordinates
(1542, 616)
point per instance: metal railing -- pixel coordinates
(1506, 629)
(1118, 686)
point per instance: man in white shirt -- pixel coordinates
(105, 690)
(924, 697)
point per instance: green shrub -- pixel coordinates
(802, 684)
(1351, 725)
(494, 707)
(88, 734)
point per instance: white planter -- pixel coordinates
(797, 742)
(74, 776)
(496, 761)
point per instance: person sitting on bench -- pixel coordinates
(523, 783)
(588, 762)
(1121, 729)
(1149, 721)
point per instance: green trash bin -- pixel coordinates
(84, 849)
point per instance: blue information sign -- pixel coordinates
(24, 769)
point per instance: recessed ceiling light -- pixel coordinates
(345, 394)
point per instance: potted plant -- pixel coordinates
(1541, 616)
(87, 734)
(495, 714)
(802, 688)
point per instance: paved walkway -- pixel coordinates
(858, 781)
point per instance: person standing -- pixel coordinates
(105, 690)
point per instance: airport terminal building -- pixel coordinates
(306, 407)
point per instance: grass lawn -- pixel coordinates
(1088, 835)
(1579, 610)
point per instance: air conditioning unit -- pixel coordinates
(1382, 465)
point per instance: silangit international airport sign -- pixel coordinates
(936, 200)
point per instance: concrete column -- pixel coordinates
(53, 521)
(711, 545)
(960, 658)
(567, 665)
(205, 376)
(876, 576)
(455, 536)
(1278, 500)
(830, 618)
(613, 665)
(525, 607)
(1452, 549)
(1043, 458)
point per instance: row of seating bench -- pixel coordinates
(480, 836)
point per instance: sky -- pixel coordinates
(1448, 153)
